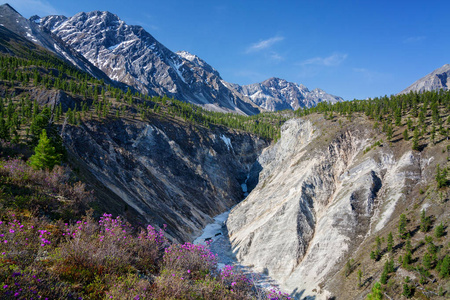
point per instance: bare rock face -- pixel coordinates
(318, 196)
(436, 80)
(277, 94)
(165, 172)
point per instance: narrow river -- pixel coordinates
(217, 235)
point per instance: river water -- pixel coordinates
(216, 234)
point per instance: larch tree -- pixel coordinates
(45, 157)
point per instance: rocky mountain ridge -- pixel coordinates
(436, 80)
(278, 94)
(131, 55)
(11, 20)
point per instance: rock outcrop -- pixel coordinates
(319, 195)
(436, 80)
(166, 172)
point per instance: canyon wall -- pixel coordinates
(319, 195)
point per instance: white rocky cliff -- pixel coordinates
(319, 195)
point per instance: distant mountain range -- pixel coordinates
(278, 94)
(436, 80)
(103, 45)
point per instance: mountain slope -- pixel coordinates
(16, 23)
(131, 55)
(278, 94)
(436, 80)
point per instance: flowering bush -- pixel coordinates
(195, 259)
(32, 284)
(21, 243)
(129, 287)
(107, 246)
(275, 294)
(235, 280)
(42, 189)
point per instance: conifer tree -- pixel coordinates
(359, 277)
(384, 277)
(415, 143)
(391, 266)
(409, 123)
(407, 258)
(408, 246)
(439, 230)
(390, 132)
(39, 122)
(445, 267)
(390, 242)
(402, 226)
(426, 261)
(377, 293)
(45, 156)
(405, 135)
(433, 134)
(4, 130)
(408, 291)
(441, 176)
(378, 247)
(424, 222)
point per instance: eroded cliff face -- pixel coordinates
(165, 172)
(319, 195)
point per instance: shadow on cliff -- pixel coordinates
(300, 295)
(253, 176)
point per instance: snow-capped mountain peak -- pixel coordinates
(278, 94)
(131, 55)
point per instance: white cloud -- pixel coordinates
(275, 56)
(333, 60)
(414, 39)
(264, 44)
(27, 8)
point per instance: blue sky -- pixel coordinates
(352, 49)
